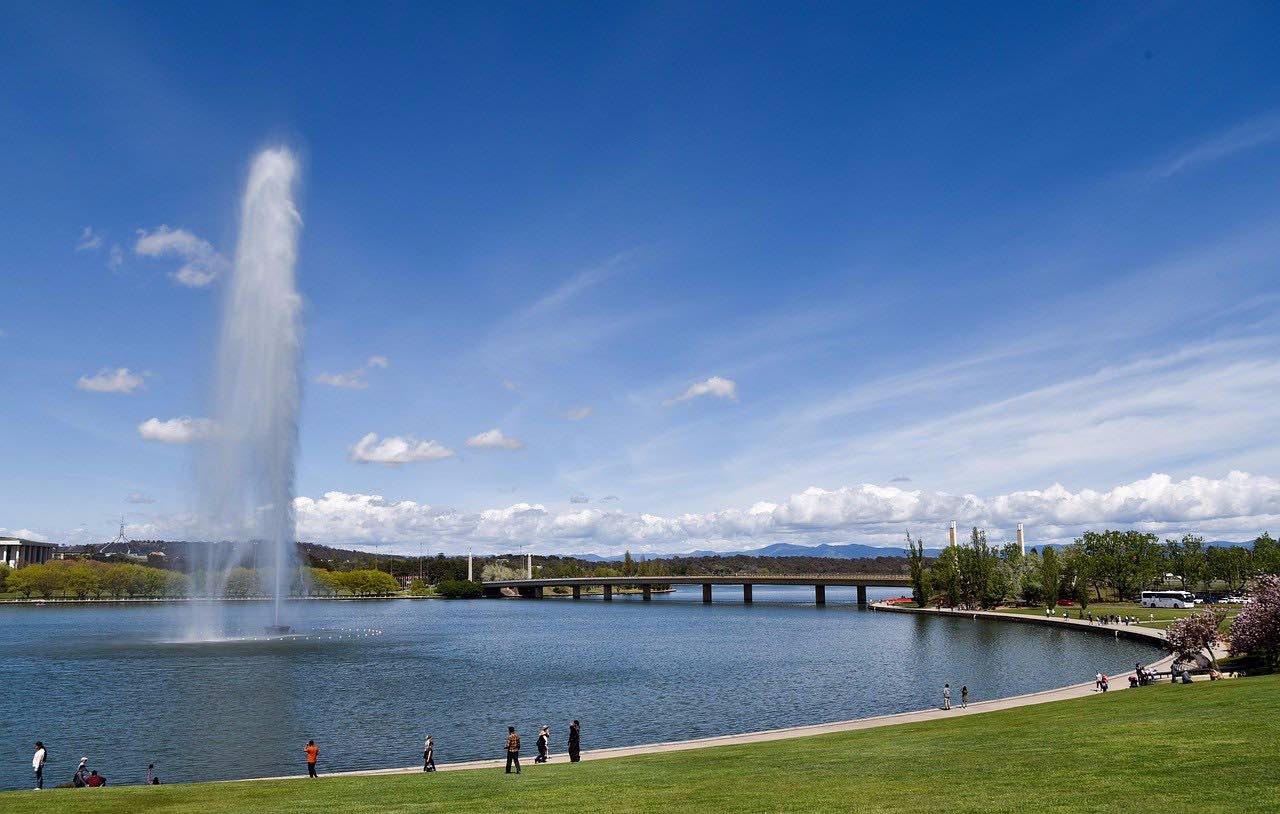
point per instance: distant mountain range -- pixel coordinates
(848, 551)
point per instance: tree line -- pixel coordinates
(1098, 565)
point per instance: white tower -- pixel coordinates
(1022, 541)
(528, 567)
(951, 533)
(469, 578)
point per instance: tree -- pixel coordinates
(21, 582)
(153, 581)
(81, 580)
(459, 589)
(1194, 636)
(1186, 559)
(4, 576)
(1256, 629)
(1266, 555)
(1232, 565)
(176, 583)
(242, 582)
(1050, 576)
(920, 581)
(946, 575)
(419, 587)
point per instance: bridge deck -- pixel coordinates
(860, 580)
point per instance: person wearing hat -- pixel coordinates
(81, 777)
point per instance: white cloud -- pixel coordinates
(184, 430)
(394, 450)
(138, 497)
(1239, 505)
(714, 386)
(610, 499)
(202, 263)
(578, 413)
(1238, 139)
(115, 257)
(494, 439)
(90, 240)
(354, 379)
(119, 380)
(579, 499)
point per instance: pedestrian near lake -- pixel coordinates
(313, 754)
(1097, 681)
(964, 696)
(544, 738)
(513, 750)
(575, 742)
(151, 773)
(946, 696)
(1104, 682)
(428, 755)
(37, 763)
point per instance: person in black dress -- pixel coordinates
(575, 742)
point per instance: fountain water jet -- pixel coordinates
(248, 466)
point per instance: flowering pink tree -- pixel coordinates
(1195, 635)
(1257, 629)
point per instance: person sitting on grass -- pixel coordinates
(95, 780)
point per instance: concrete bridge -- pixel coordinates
(534, 588)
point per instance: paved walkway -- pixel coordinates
(1119, 683)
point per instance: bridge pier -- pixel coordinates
(820, 594)
(647, 591)
(577, 592)
(746, 594)
(706, 593)
(608, 593)
(862, 595)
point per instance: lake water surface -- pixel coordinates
(100, 681)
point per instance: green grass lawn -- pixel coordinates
(1205, 748)
(1149, 617)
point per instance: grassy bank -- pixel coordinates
(1148, 617)
(1202, 748)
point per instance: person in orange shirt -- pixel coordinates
(313, 752)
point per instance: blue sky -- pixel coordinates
(718, 275)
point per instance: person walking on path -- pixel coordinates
(429, 755)
(37, 763)
(575, 742)
(513, 750)
(313, 752)
(544, 736)
(946, 696)
(1104, 681)
(964, 697)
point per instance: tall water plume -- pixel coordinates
(248, 466)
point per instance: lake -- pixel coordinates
(100, 680)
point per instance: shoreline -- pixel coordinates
(1081, 690)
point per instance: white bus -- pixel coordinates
(1168, 599)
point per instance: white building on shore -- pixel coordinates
(16, 552)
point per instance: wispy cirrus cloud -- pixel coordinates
(90, 240)
(1241, 138)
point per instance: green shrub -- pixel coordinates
(459, 589)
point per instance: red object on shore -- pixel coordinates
(1066, 603)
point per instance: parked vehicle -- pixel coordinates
(1168, 599)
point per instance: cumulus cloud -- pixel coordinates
(184, 430)
(1237, 506)
(354, 379)
(494, 439)
(107, 380)
(90, 240)
(395, 450)
(201, 265)
(714, 386)
(578, 413)
(138, 497)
